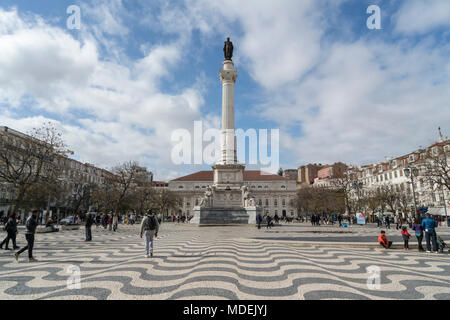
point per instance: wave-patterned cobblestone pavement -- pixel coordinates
(215, 263)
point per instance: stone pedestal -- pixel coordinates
(219, 216)
(252, 212)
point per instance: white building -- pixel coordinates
(275, 194)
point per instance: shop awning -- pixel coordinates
(438, 211)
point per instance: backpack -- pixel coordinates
(150, 223)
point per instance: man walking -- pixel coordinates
(149, 228)
(388, 222)
(31, 225)
(88, 225)
(259, 220)
(11, 229)
(429, 225)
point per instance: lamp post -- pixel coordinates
(445, 205)
(358, 185)
(412, 172)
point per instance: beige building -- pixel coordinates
(275, 194)
(391, 173)
(73, 169)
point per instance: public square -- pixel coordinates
(289, 262)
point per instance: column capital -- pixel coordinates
(229, 75)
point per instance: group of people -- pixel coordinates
(12, 232)
(148, 230)
(426, 227)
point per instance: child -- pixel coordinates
(405, 235)
(382, 240)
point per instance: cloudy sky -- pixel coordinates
(137, 70)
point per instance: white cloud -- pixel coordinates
(372, 99)
(125, 115)
(421, 16)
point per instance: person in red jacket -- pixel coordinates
(382, 240)
(405, 236)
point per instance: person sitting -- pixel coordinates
(382, 240)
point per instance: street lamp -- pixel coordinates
(412, 172)
(358, 185)
(445, 205)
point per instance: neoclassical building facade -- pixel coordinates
(274, 193)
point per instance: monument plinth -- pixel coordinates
(227, 201)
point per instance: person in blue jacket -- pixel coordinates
(429, 226)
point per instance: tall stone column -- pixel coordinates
(228, 77)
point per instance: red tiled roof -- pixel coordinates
(250, 175)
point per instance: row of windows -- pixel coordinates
(266, 202)
(384, 177)
(253, 187)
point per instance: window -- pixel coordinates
(180, 187)
(390, 175)
(196, 202)
(266, 187)
(401, 173)
(260, 202)
(275, 202)
(267, 202)
(411, 158)
(283, 187)
(283, 202)
(259, 187)
(197, 187)
(395, 174)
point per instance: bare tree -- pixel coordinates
(29, 160)
(436, 169)
(165, 200)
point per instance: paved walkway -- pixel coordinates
(221, 263)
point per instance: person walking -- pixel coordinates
(88, 225)
(429, 225)
(110, 221)
(340, 220)
(268, 220)
(405, 236)
(396, 222)
(115, 221)
(259, 220)
(11, 229)
(388, 222)
(149, 229)
(417, 227)
(31, 225)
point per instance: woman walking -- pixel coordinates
(417, 227)
(115, 221)
(11, 229)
